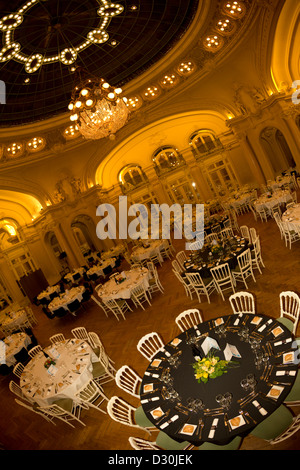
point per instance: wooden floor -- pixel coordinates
(22, 430)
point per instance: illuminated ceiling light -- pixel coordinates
(169, 80)
(186, 68)
(10, 50)
(15, 149)
(234, 9)
(102, 113)
(134, 102)
(36, 144)
(213, 42)
(151, 93)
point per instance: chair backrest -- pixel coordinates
(94, 340)
(16, 390)
(149, 345)
(89, 392)
(18, 369)
(211, 237)
(35, 350)
(181, 258)
(244, 260)
(195, 279)
(188, 319)
(127, 379)
(290, 307)
(197, 245)
(292, 429)
(221, 273)
(216, 228)
(138, 443)
(80, 333)
(245, 232)
(253, 234)
(138, 290)
(227, 233)
(121, 411)
(242, 302)
(59, 337)
(176, 266)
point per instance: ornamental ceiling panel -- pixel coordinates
(43, 41)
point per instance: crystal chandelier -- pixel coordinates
(98, 109)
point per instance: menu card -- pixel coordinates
(208, 344)
(231, 351)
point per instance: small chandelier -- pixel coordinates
(98, 109)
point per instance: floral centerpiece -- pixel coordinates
(49, 362)
(210, 367)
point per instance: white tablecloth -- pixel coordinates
(70, 276)
(13, 344)
(238, 201)
(278, 197)
(45, 294)
(68, 296)
(115, 251)
(12, 319)
(98, 268)
(72, 370)
(292, 217)
(134, 277)
(280, 181)
(140, 253)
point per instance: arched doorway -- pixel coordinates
(84, 231)
(277, 149)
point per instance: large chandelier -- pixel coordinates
(98, 109)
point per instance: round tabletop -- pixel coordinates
(233, 403)
(71, 369)
(210, 256)
(292, 216)
(268, 201)
(133, 278)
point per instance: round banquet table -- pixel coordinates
(143, 253)
(72, 370)
(45, 294)
(169, 406)
(201, 261)
(134, 278)
(67, 297)
(99, 268)
(12, 320)
(13, 344)
(265, 201)
(291, 217)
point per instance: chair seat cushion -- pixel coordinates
(64, 403)
(274, 425)
(167, 443)
(294, 394)
(141, 418)
(98, 369)
(232, 445)
(286, 322)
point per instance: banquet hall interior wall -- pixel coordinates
(228, 124)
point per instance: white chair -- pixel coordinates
(181, 258)
(127, 379)
(155, 257)
(188, 319)
(256, 257)
(118, 307)
(212, 237)
(223, 278)
(242, 302)
(91, 395)
(104, 307)
(18, 369)
(104, 370)
(245, 232)
(244, 268)
(253, 234)
(139, 296)
(177, 267)
(67, 411)
(227, 233)
(40, 413)
(149, 345)
(122, 412)
(35, 350)
(216, 229)
(290, 234)
(31, 317)
(154, 282)
(188, 287)
(278, 221)
(263, 214)
(80, 332)
(289, 310)
(58, 338)
(138, 443)
(292, 429)
(202, 286)
(16, 390)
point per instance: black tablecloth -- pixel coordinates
(186, 385)
(203, 260)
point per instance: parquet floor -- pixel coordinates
(22, 430)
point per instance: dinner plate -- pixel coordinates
(288, 357)
(275, 392)
(236, 422)
(188, 429)
(277, 331)
(157, 413)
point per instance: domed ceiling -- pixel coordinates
(43, 41)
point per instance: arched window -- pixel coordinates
(131, 177)
(204, 141)
(166, 159)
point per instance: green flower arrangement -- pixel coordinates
(216, 249)
(210, 367)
